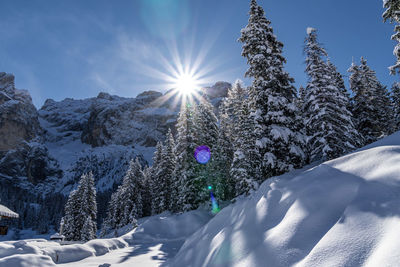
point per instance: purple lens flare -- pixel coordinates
(202, 154)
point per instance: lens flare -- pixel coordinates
(214, 204)
(202, 154)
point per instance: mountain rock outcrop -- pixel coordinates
(18, 116)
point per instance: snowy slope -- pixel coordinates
(155, 239)
(345, 212)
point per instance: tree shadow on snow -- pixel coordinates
(167, 250)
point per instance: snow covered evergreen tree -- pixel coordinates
(392, 13)
(222, 158)
(386, 114)
(130, 194)
(147, 192)
(207, 132)
(329, 123)
(126, 204)
(396, 106)
(206, 124)
(164, 179)
(366, 113)
(89, 203)
(191, 184)
(184, 175)
(230, 107)
(80, 207)
(155, 176)
(272, 98)
(70, 219)
(88, 230)
(243, 168)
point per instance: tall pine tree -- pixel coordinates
(244, 169)
(157, 179)
(272, 98)
(366, 114)
(329, 122)
(126, 204)
(81, 211)
(396, 106)
(164, 180)
(185, 178)
(392, 13)
(147, 191)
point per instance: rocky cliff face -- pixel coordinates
(46, 151)
(18, 117)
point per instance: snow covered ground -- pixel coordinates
(344, 212)
(156, 239)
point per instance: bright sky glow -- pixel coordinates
(186, 84)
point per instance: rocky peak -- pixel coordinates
(218, 90)
(18, 116)
(7, 83)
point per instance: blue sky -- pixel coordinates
(73, 48)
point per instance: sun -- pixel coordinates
(186, 84)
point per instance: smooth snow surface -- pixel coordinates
(156, 239)
(344, 212)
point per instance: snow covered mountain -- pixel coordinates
(44, 152)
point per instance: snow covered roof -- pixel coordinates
(57, 236)
(6, 212)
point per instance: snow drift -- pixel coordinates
(344, 212)
(163, 229)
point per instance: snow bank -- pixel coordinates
(17, 247)
(155, 229)
(168, 227)
(344, 212)
(27, 261)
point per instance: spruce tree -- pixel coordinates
(126, 204)
(396, 106)
(89, 204)
(243, 168)
(206, 132)
(130, 195)
(71, 213)
(329, 122)
(366, 113)
(156, 177)
(272, 98)
(164, 182)
(186, 181)
(88, 232)
(230, 108)
(205, 124)
(392, 13)
(80, 207)
(147, 190)
(386, 114)
(222, 159)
